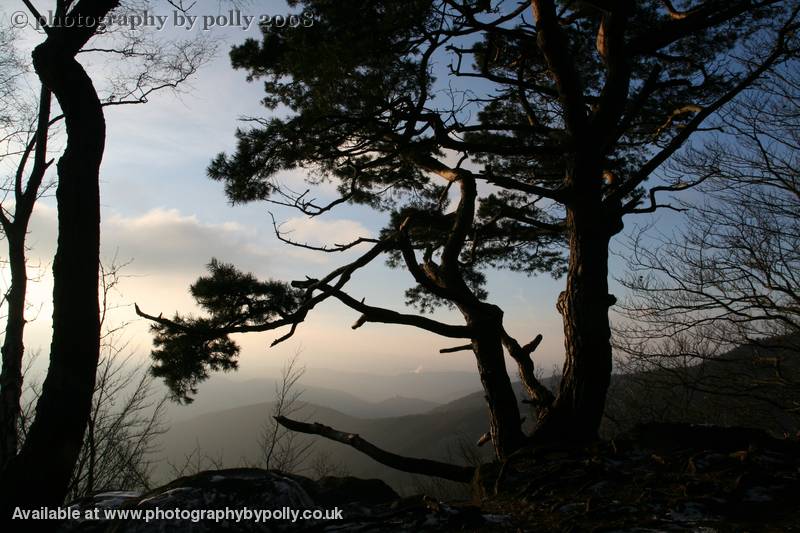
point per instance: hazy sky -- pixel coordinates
(163, 213)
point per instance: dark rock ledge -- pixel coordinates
(660, 477)
(367, 505)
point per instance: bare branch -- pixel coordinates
(539, 394)
(387, 316)
(39, 17)
(427, 467)
(456, 349)
(677, 187)
(327, 249)
(680, 138)
(309, 206)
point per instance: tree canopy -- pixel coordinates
(496, 135)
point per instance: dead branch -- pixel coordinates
(388, 316)
(427, 467)
(539, 394)
(336, 247)
(456, 349)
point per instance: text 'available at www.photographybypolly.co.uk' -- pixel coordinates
(227, 514)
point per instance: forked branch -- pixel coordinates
(539, 394)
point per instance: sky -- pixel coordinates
(163, 216)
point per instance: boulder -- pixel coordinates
(365, 505)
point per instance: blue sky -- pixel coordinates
(161, 212)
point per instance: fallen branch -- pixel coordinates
(427, 467)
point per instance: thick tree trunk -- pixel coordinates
(40, 474)
(505, 426)
(578, 409)
(13, 347)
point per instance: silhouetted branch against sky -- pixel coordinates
(457, 94)
(490, 136)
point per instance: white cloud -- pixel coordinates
(169, 249)
(158, 241)
(318, 232)
(165, 240)
(166, 243)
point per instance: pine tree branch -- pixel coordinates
(703, 17)
(387, 316)
(554, 46)
(677, 142)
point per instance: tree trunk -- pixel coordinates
(578, 409)
(505, 426)
(15, 230)
(13, 347)
(40, 474)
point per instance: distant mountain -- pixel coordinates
(438, 387)
(474, 400)
(419, 427)
(398, 406)
(221, 393)
(756, 385)
(233, 435)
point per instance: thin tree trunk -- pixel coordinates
(90, 437)
(13, 348)
(15, 230)
(40, 474)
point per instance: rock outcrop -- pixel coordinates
(660, 477)
(365, 505)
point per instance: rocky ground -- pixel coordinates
(658, 478)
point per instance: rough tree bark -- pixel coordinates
(13, 348)
(505, 427)
(40, 473)
(578, 409)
